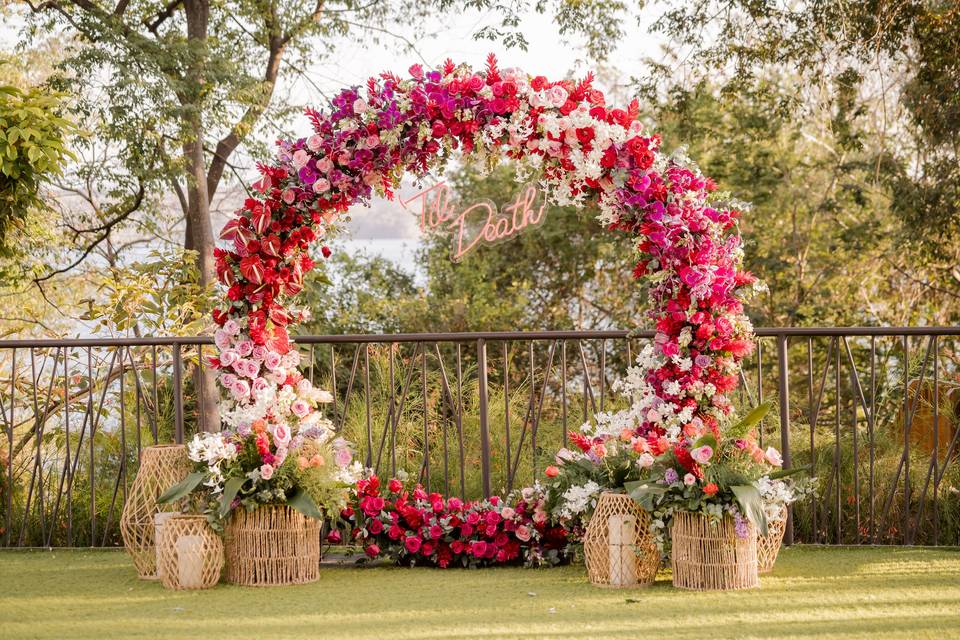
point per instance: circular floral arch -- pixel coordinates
(584, 150)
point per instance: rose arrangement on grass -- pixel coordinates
(417, 527)
(278, 448)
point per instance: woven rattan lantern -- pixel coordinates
(768, 546)
(710, 556)
(190, 555)
(271, 546)
(619, 548)
(161, 467)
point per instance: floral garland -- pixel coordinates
(420, 528)
(582, 149)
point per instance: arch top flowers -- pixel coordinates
(582, 149)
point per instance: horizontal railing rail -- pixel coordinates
(872, 411)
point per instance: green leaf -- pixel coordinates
(230, 489)
(752, 419)
(302, 502)
(751, 503)
(182, 489)
(707, 439)
(644, 492)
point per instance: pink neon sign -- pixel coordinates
(480, 222)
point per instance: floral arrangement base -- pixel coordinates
(160, 467)
(768, 546)
(618, 546)
(709, 556)
(272, 546)
(189, 553)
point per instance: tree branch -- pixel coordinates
(105, 229)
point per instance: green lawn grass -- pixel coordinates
(813, 592)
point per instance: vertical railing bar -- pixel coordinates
(200, 391)
(67, 466)
(445, 387)
(137, 395)
(603, 372)
(535, 426)
(426, 409)
(403, 397)
(855, 385)
(8, 515)
(587, 385)
(813, 449)
(484, 425)
(366, 393)
(90, 471)
(506, 410)
(463, 480)
(932, 467)
(871, 424)
(784, 391)
(333, 377)
(178, 393)
(563, 387)
(760, 384)
(346, 396)
(156, 399)
(837, 454)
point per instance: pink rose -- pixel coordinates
(288, 196)
(523, 533)
(689, 479)
(508, 513)
(245, 347)
(300, 158)
(314, 142)
(228, 357)
(259, 352)
(343, 457)
(259, 384)
(231, 327)
(539, 516)
(324, 165)
(266, 472)
(322, 185)
(272, 360)
(360, 105)
(241, 390)
(300, 408)
(773, 457)
(228, 380)
(281, 435)
(702, 454)
(558, 96)
(221, 338)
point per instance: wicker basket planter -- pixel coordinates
(190, 553)
(161, 466)
(709, 556)
(619, 548)
(272, 546)
(768, 546)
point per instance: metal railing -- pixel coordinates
(872, 411)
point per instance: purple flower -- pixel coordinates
(740, 525)
(670, 476)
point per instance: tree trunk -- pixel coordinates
(199, 229)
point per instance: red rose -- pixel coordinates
(711, 489)
(412, 544)
(394, 486)
(334, 537)
(372, 551)
(551, 471)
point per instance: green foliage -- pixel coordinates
(161, 295)
(33, 137)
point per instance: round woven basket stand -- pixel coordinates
(768, 546)
(709, 556)
(272, 546)
(619, 548)
(161, 467)
(190, 554)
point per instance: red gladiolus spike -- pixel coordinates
(493, 74)
(448, 67)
